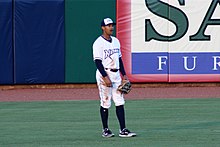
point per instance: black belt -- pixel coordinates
(112, 70)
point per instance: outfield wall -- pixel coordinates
(82, 23)
(6, 49)
(32, 41)
(170, 41)
(50, 41)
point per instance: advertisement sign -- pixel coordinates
(170, 40)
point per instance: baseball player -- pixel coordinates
(107, 57)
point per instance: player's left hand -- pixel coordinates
(125, 87)
(125, 78)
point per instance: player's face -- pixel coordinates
(108, 30)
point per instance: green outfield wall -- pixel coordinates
(82, 27)
(50, 41)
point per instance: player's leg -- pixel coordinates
(105, 104)
(104, 117)
(121, 116)
(119, 101)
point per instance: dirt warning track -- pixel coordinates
(90, 92)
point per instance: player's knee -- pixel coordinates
(106, 104)
(119, 103)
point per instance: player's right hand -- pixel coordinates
(107, 81)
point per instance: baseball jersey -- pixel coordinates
(107, 51)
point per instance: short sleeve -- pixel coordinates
(97, 50)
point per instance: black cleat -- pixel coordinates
(107, 133)
(126, 133)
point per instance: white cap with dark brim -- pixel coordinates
(107, 21)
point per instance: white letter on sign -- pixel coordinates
(161, 62)
(215, 62)
(194, 63)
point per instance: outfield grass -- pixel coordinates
(158, 123)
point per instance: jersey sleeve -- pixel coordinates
(97, 50)
(119, 46)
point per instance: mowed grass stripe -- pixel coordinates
(158, 122)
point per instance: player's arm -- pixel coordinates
(122, 69)
(101, 69)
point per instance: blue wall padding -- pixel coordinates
(39, 41)
(6, 49)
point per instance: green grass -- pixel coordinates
(158, 123)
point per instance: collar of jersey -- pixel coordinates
(108, 40)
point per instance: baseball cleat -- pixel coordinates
(107, 133)
(126, 133)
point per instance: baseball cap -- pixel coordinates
(107, 21)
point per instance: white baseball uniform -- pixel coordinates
(109, 53)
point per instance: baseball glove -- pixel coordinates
(125, 87)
